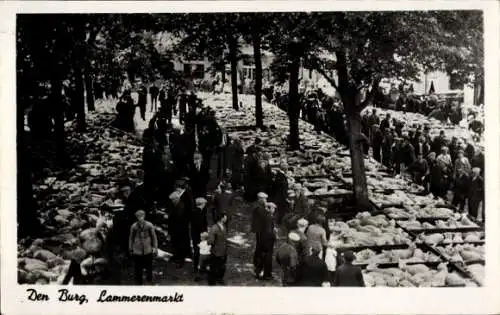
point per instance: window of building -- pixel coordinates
(249, 73)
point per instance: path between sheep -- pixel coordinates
(239, 271)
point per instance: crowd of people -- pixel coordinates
(437, 164)
(193, 172)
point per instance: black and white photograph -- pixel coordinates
(326, 149)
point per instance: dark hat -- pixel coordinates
(349, 256)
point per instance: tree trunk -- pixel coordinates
(89, 89)
(293, 104)
(348, 94)
(79, 100)
(233, 46)
(357, 161)
(58, 116)
(26, 206)
(259, 116)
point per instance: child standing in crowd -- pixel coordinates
(143, 244)
(204, 249)
(331, 253)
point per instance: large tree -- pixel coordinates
(291, 39)
(255, 28)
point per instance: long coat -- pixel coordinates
(258, 212)
(235, 161)
(280, 194)
(178, 224)
(222, 203)
(266, 234)
(198, 179)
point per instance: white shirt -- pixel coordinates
(204, 248)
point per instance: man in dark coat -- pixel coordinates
(348, 275)
(386, 122)
(183, 100)
(180, 206)
(251, 165)
(280, 191)
(436, 177)
(223, 201)
(235, 162)
(126, 111)
(153, 166)
(192, 101)
(387, 143)
(142, 101)
(218, 257)
(419, 170)
(266, 236)
(469, 150)
(154, 91)
(169, 106)
(210, 137)
(312, 271)
(286, 257)
(396, 157)
(258, 214)
(377, 140)
(407, 152)
(422, 147)
(374, 120)
(439, 142)
(460, 190)
(198, 176)
(398, 126)
(199, 224)
(133, 200)
(476, 193)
